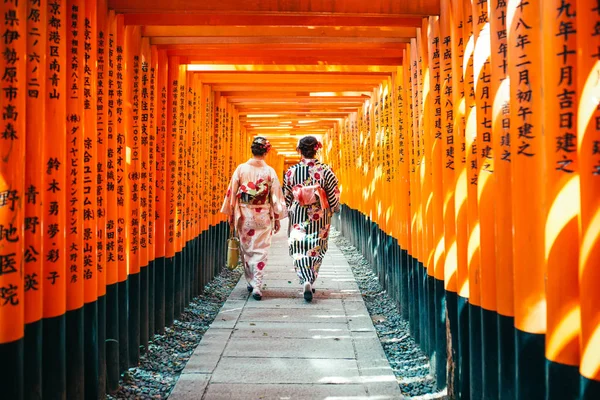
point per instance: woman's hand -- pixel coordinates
(277, 226)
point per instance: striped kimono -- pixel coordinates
(308, 232)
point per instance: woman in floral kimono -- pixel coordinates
(254, 203)
(312, 196)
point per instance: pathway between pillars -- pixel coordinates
(283, 348)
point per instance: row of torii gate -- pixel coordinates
(466, 136)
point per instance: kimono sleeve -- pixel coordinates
(277, 200)
(332, 190)
(231, 196)
(287, 188)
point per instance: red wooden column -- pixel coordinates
(588, 153)
(527, 160)
(88, 41)
(13, 137)
(121, 113)
(111, 206)
(74, 191)
(459, 88)
(500, 93)
(55, 277)
(143, 99)
(34, 184)
(101, 98)
(160, 66)
(562, 208)
(448, 178)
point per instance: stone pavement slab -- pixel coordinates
(284, 348)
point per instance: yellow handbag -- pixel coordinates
(233, 251)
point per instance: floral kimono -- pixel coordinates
(309, 225)
(255, 200)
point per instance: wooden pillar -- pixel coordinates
(448, 178)
(500, 93)
(160, 64)
(152, 189)
(112, 233)
(562, 208)
(146, 270)
(54, 286)
(588, 155)
(88, 42)
(12, 198)
(74, 191)
(527, 160)
(131, 103)
(123, 191)
(460, 197)
(101, 96)
(34, 209)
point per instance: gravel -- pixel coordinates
(167, 354)
(410, 364)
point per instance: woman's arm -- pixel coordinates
(278, 205)
(331, 188)
(287, 188)
(230, 201)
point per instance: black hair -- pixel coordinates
(308, 146)
(259, 146)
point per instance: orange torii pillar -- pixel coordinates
(55, 273)
(562, 209)
(121, 115)
(88, 79)
(437, 175)
(460, 197)
(159, 64)
(131, 98)
(448, 124)
(172, 84)
(110, 204)
(527, 160)
(151, 112)
(588, 154)
(485, 197)
(472, 208)
(146, 216)
(12, 200)
(101, 99)
(74, 204)
(179, 127)
(34, 178)
(500, 94)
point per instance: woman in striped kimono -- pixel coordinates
(255, 205)
(312, 196)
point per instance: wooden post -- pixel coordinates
(13, 253)
(160, 64)
(561, 186)
(101, 97)
(588, 156)
(525, 72)
(500, 93)
(34, 185)
(88, 30)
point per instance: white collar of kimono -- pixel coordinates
(256, 163)
(309, 160)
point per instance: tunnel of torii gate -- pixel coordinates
(465, 134)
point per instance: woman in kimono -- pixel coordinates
(255, 205)
(312, 196)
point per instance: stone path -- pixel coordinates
(283, 348)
